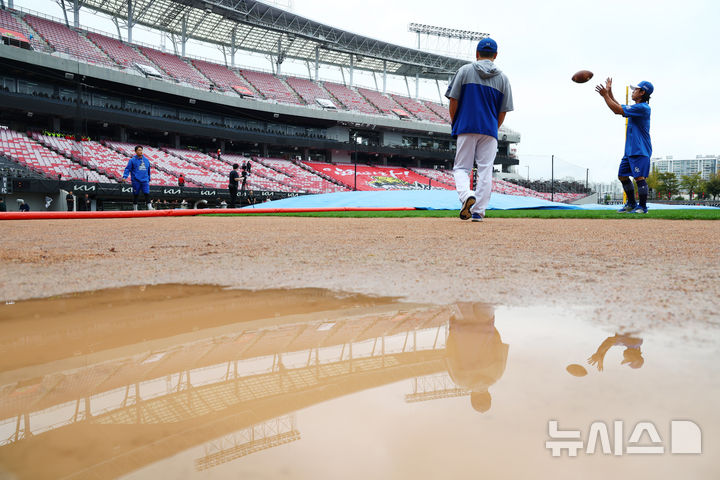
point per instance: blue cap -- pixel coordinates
(487, 45)
(647, 86)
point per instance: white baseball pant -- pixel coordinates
(481, 149)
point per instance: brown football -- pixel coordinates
(582, 76)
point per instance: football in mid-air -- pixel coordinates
(582, 76)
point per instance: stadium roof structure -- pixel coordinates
(254, 26)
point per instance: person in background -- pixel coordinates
(181, 180)
(3, 207)
(233, 184)
(87, 203)
(70, 201)
(139, 167)
(245, 174)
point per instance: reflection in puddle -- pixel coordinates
(299, 383)
(632, 355)
(476, 356)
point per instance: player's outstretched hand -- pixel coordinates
(608, 83)
(596, 359)
(601, 90)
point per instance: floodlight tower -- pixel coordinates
(449, 35)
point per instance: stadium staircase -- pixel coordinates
(350, 99)
(176, 67)
(417, 109)
(309, 91)
(272, 87)
(123, 54)
(384, 103)
(439, 110)
(223, 77)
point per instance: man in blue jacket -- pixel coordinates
(139, 167)
(480, 97)
(638, 148)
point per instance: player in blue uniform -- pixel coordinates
(139, 167)
(638, 147)
(480, 97)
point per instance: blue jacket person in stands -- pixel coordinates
(138, 168)
(638, 147)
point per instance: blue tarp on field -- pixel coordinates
(430, 200)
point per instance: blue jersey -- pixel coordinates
(637, 140)
(482, 92)
(139, 168)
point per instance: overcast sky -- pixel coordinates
(541, 44)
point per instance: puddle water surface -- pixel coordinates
(201, 382)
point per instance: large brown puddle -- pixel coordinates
(201, 382)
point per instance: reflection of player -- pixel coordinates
(476, 356)
(632, 355)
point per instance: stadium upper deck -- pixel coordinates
(262, 35)
(104, 50)
(255, 26)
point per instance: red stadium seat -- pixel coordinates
(36, 157)
(68, 41)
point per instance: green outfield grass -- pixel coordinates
(713, 214)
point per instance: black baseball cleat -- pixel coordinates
(465, 212)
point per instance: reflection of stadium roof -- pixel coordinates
(214, 386)
(265, 29)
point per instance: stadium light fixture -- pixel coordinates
(446, 32)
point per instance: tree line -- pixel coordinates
(667, 185)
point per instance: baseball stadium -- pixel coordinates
(329, 316)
